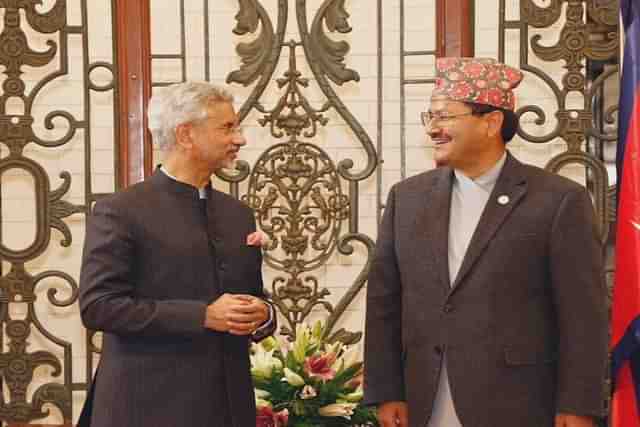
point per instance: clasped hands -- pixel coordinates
(236, 314)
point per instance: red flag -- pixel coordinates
(625, 339)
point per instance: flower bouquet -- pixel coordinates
(308, 383)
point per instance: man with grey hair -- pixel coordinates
(171, 273)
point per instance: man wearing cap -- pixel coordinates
(486, 304)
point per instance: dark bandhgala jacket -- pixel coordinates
(155, 256)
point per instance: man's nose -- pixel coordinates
(434, 131)
(239, 139)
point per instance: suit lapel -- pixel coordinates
(433, 217)
(512, 184)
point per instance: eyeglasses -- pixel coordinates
(228, 131)
(428, 117)
(225, 130)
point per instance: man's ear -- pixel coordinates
(495, 119)
(184, 137)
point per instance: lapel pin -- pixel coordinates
(503, 200)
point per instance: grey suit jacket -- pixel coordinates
(153, 260)
(524, 327)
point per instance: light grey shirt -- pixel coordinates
(469, 198)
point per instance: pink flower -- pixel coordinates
(282, 418)
(320, 366)
(266, 417)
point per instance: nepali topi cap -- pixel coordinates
(477, 80)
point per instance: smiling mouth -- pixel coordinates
(441, 141)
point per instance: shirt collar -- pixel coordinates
(486, 180)
(201, 191)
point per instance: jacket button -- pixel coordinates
(448, 308)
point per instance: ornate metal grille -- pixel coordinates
(31, 135)
(587, 46)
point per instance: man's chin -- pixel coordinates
(230, 166)
(441, 160)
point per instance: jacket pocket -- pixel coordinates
(524, 356)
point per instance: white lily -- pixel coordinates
(350, 357)
(263, 363)
(269, 344)
(344, 410)
(261, 398)
(356, 396)
(301, 344)
(262, 394)
(317, 331)
(292, 378)
(284, 345)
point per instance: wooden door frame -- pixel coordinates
(133, 45)
(455, 27)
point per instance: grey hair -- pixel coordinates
(179, 104)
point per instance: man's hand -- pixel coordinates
(393, 414)
(236, 314)
(566, 420)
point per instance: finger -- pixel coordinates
(244, 318)
(258, 307)
(243, 326)
(559, 421)
(239, 332)
(244, 297)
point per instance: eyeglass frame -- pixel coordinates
(427, 117)
(228, 131)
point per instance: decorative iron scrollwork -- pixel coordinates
(257, 54)
(295, 188)
(17, 284)
(297, 196)
(589, 33)
(17, 366)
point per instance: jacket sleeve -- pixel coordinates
(108, 301)
(383, 375)
(580, 299)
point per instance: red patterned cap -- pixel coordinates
(477, 80)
